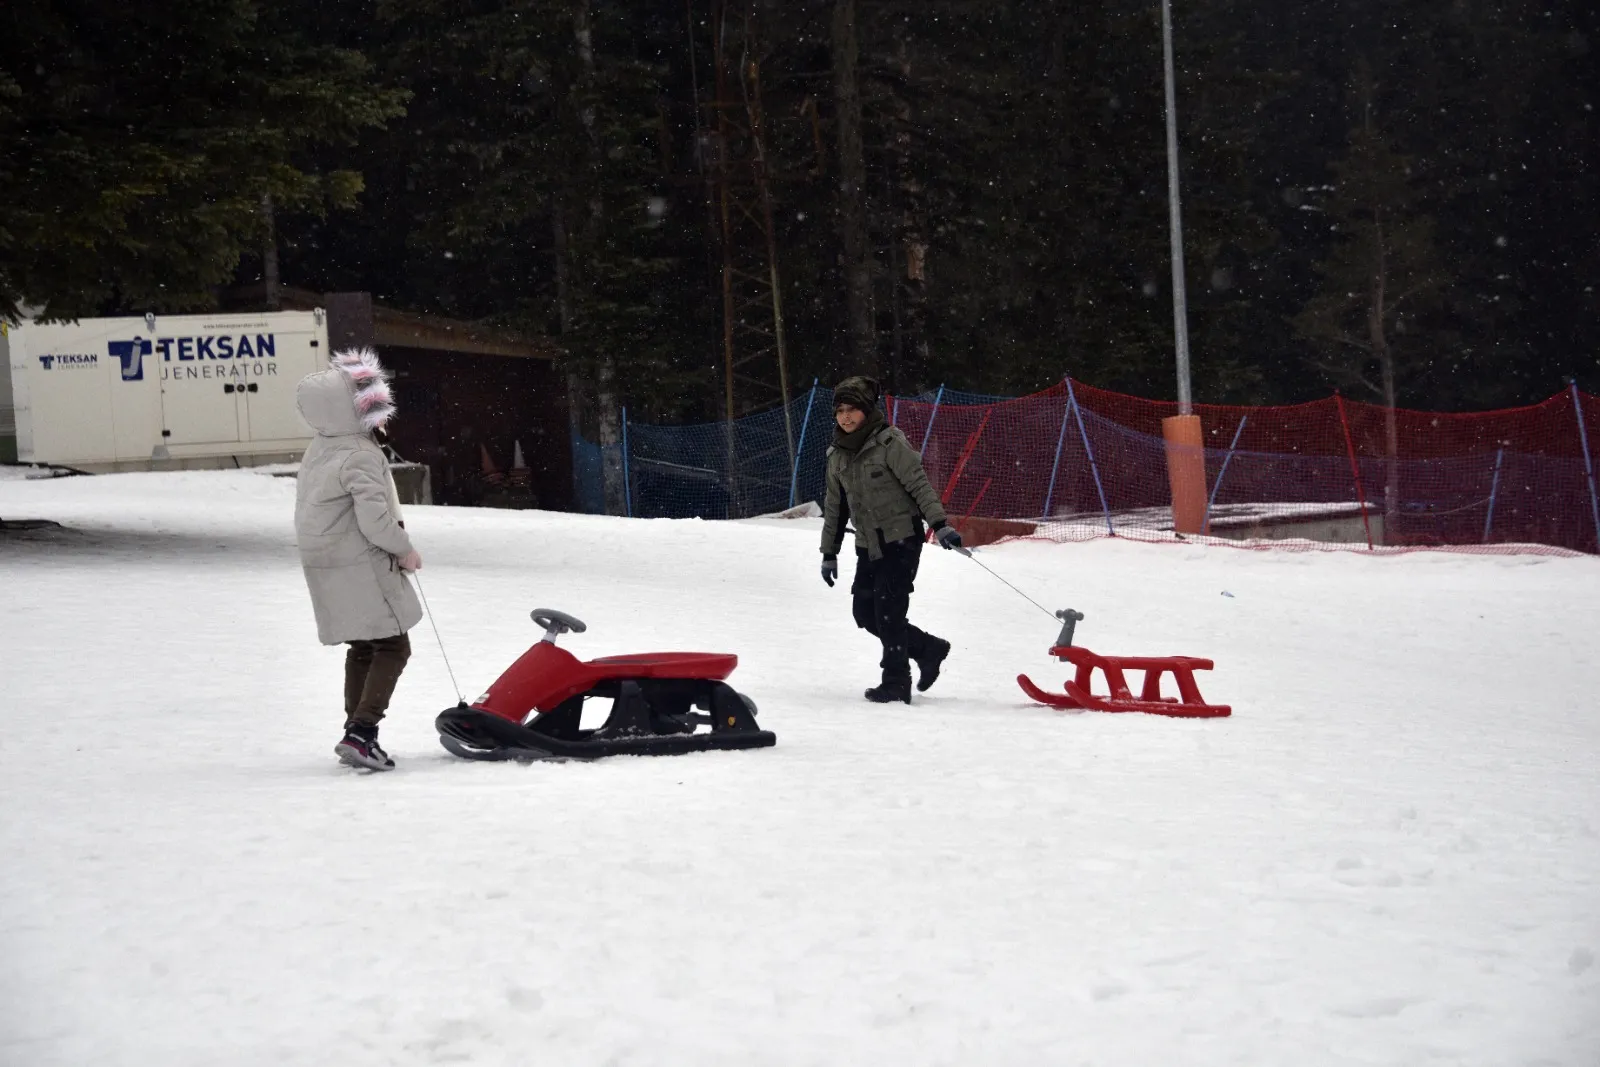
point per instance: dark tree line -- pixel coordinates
(1393, 197)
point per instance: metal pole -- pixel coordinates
(1061, 439)
(627, 482)
(794, 477)
(1588, 461)
(1180, 299)
(1494, 488)
(933, 415)
(1072, 401)
(1205, 525)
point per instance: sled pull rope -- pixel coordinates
(432, 622)
(968, 553)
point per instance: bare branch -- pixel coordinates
(1345, 373)
(1341, 369)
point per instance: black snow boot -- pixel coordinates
(890, 692)
(360, 748)
(929, 663)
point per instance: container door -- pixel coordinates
(201, 401)
(269, 385)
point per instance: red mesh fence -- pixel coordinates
(1075, 462)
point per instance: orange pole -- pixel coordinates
(1186, 472)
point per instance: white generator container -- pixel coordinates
(162, 392)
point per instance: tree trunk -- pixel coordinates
(613, 465)
(897, 335)
(909, 242)
(607, 404)
(1377, 334)
(558, 233)
(1378, 337)
(860, 325)
(269, 253)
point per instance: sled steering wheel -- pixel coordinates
(555, 623)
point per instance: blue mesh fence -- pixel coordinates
(588, 489)
(718, 470)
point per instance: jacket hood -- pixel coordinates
(352, 396)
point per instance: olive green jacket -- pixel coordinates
(883, 488)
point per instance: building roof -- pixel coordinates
(402, 329)
(392, 328)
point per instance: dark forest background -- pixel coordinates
(1397, 198)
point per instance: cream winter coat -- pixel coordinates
(347, 514)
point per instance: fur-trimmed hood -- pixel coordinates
(351, 397)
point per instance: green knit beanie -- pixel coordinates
(858, 391)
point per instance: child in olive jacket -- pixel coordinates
(875, 478)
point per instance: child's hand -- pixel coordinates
(411, 561)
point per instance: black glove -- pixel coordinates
(949, 536)
(830, 570)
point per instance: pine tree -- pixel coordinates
(524, 189)
(142, 143)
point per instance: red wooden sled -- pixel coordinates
(1188, 704)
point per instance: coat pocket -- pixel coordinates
(396, 590)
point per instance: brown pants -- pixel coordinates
(371, 669)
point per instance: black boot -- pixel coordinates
(890, 692)
(929, 663)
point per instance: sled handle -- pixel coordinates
(555, 623)
(1069, 621)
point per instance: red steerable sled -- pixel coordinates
(1188, 704)
(659, 701)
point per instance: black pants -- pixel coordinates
(881, 598)
(371, 670)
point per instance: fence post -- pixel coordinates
(1061, 439)
(894, 410)
(934, 415)
(794, 476)
(1072, 402)
(627, 480)
(1588, 460)
(1205, 526)
(1355, 468)
(1494, 487)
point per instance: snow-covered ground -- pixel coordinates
(1388, 855)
